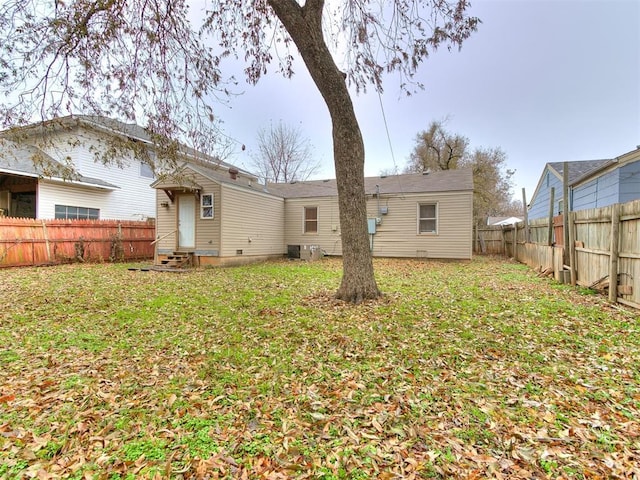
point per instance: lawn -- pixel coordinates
(463, 370)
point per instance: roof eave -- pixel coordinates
(81, 183)
(594, 173)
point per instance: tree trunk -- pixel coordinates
(304, 24)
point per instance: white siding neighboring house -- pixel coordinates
(118, 190)
(32, 183)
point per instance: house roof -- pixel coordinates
(503, 220)
(117, 127)
(440, 181)
(619, 161)
(30, 161)
(579, 168)
(213, 171)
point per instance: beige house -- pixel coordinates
(219, 215)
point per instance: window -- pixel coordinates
(427, 218)
(206, 205)
(66, 212)
(310, 219)
(146, 171)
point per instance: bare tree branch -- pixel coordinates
(284, 155)
(438, 149)
(143, 61)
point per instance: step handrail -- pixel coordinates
(163, 236)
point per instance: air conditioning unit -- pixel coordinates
(310, 252)
(293, 251)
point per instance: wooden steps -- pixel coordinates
(176, 261)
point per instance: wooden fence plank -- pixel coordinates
(613, 255)
(550, 220)
(593, 235)
(25, 241)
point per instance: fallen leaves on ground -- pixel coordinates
(462, 370)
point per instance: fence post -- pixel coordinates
(572, 248)
(614, 251)
(550, 223)
(526, 217)
(565, 211)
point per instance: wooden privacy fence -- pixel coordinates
(26, 241)
(603, 253)
(605, 250)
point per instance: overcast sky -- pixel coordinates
(544, 80)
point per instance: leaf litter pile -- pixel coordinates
(462, 370)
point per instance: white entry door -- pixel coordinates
(186, 221)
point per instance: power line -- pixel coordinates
(386, 127)
(393, 158)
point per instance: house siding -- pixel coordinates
(166, 223)
(397, 233)
(208, 230)
(133, 200)
(328, 235)
(539, 207)
(630, 182)
(598, 192)
(252, 222)
(51, 194)
(604, 183)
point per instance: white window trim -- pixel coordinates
(304, 220)
(436, 218)
(67, 207)
(203, 206)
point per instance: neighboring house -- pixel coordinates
(224, 216)
(36, 163)
(497, 221)
(28, 177)
(617, 181)
(605, 180)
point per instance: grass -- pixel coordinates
(463, 369)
